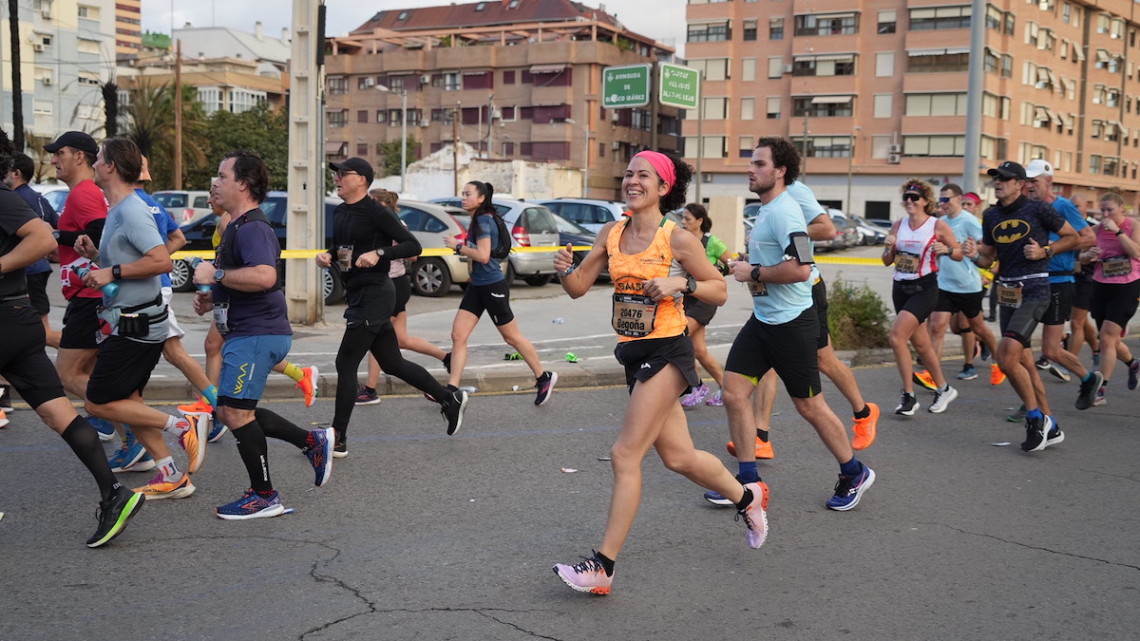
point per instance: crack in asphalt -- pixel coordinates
(1039, 548)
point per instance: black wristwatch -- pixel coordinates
(756, 273)
(691, 285)
(219, 275)
(117, 272)
(1119, 232)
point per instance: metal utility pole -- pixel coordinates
(305, 218)
(178, 114)
(455, 148)
(975, 81)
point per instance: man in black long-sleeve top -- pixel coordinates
(363, 237)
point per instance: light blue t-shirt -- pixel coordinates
(961, 276)
(163, 219)
(130, 232)
(812, 209)
(1061, 265)
(770, 237)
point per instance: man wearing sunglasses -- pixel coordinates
(1015, 231)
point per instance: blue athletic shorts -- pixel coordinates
(246, 363)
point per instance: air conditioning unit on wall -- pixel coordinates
(894, 149)
(894, 159)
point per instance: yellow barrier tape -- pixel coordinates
(208, 254)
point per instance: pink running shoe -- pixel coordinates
(694, 398)
(587, 576)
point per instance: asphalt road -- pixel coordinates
(419, 536)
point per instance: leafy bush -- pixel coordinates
(857, 316)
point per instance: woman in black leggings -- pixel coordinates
(363, 237)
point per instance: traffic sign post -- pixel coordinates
(626, 86)
(679, 86)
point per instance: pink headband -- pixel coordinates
(661, 164)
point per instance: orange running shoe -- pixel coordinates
(308, 384)
(763, 449)
(924, 379)
(865, 429)
(160, 488)
(201, 406)
(3, 419)
(997, 377)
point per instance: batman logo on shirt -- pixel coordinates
(1010, 231)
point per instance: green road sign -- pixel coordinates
(679, 86)
(626, 86)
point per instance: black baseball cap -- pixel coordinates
(359, 165)
(1007, 170)
(75, 140)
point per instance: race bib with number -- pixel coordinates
(222, 317)
(344, 257)
(1009, 295)
(633, 315)
(1116, 266)
(907, 262)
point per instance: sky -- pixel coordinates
(666, 26)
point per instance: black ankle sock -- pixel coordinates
(84, 441)
(863, 413)
(276, 427)
(254, 454)
(762, 434)
(452, 388)
(607, 563)
(745, 500)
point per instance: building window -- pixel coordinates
(1094, 164)
(509, 77)
(937, 62)
(709, 32)
(934, 146)
(990, 62)
(773, 108)
(362, 116)
(822, 106)
(884, 64)
(745, 146)
(994, 18)
(887, 21)
(338, 85)
(936, 104)
(884, 105)
(711, 68)
(715, 109)
(940, 18)
(362, 149)
(749, 30)
(365, 82)
(842, 65)
(338, 118)
(776, 29)
(446, 81)
(832, 24)
(1006, 66)
(824, 146)
(748, 70)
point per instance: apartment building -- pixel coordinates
(875, 91)
(128, 29)
(515, 79)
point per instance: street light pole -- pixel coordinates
(403, 93)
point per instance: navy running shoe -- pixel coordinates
(850, 489)
(320, 454)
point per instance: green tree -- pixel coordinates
(260, 129)
(390, 153)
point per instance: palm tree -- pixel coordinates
(151, 126)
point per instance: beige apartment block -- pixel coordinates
(875, 91)
(514, 79)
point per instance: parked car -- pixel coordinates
(200, 232)
(429, 222)
(571, 233)
(55, 194)
(845, 236)
(185, 206)
(531, 225)
(870, 234)
(587, 212)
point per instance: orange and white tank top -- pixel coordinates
(914, 256)
(635, 315)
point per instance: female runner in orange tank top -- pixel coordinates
(647, 257)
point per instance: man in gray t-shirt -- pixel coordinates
(133, 322)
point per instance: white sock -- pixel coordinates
(168, 469)
(173, 423)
